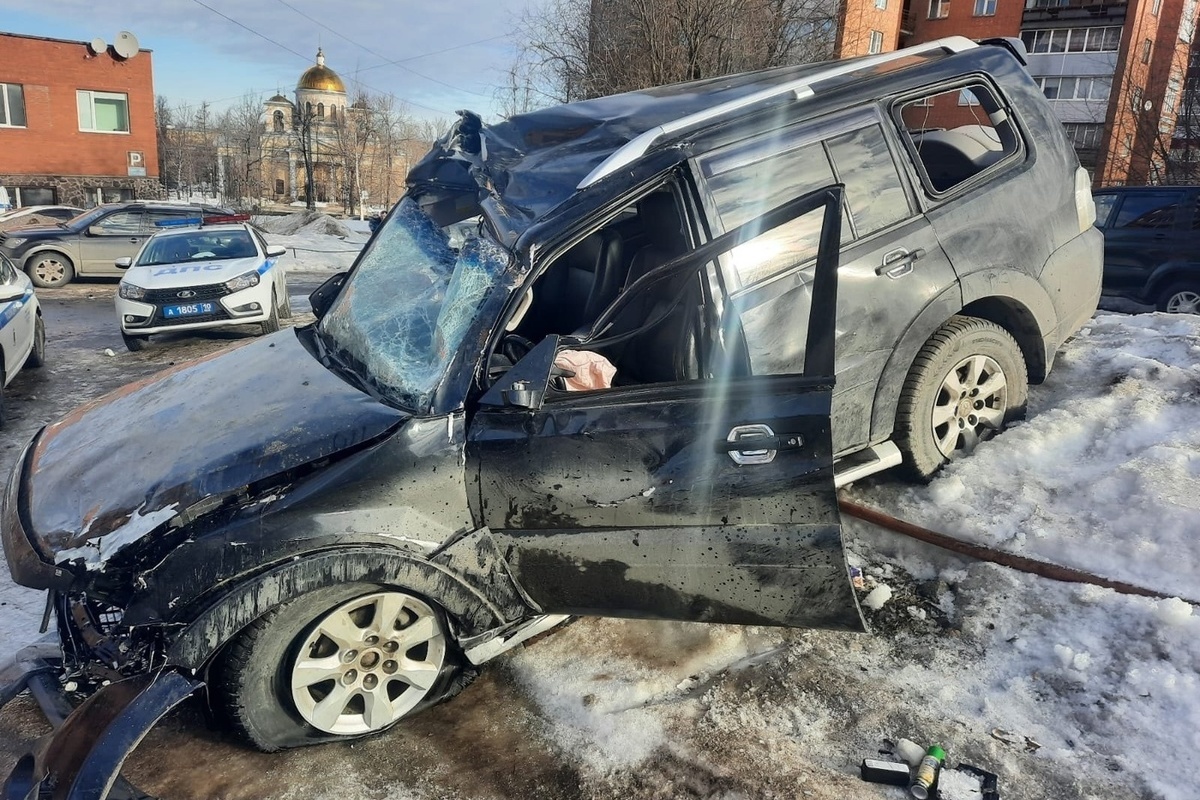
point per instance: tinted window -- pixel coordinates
(953, 136)
(873, 189)
(1148, 210)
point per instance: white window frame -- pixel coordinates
(91, 100)
(939, 9)
(881, 5)
(985, 8)
(7, 111)
(875, 42)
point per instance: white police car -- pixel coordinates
(22, 332)
(201, 277)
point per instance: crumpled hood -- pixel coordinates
(119, 467)
(169, 276)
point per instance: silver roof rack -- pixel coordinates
(800, 88)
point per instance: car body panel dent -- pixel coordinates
(257, 420)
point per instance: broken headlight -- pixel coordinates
(244, 281)
(131, 291)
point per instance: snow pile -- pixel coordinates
(303, 222)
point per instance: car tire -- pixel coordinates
(271, 323)
(3, 403)
(37, 355)
(285, 306)
(1182, 297)
(967, 383)
(134, 343)
(274, 682)
(50, 270)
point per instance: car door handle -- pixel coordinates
(899, 262)
(757, 444)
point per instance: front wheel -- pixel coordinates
(134, 343)
(345, 661)
(967, 383)
(1180, 298)
(50, 270)
(37, 355)
(271, 323)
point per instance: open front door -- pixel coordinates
(708, 500)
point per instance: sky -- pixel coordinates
(453, 55)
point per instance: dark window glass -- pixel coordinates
(873, 188)
(39, 196)
(1148, 210)
(279, 186)
(743, 191)
(12, 104)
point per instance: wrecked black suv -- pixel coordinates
(585, 366)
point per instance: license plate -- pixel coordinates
(189, 310)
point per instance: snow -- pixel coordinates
(314, 242)
(1063, 690)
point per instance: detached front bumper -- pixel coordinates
(82, 758)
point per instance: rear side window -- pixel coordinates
(750, 179)
(957, 135)
(1148, 210)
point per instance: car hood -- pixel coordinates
(168, 276)
(118, 468)
(33, 232)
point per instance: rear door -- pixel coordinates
(1144, 230)
(707, 500)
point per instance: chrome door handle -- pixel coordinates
(757, 444)
(899, 262)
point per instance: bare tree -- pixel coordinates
(576, 49)
(240, 138)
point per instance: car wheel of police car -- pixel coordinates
(37, 356)
(1180, 298)
(967, 383)
(134, 343)
(345, 661)
(271, 323)
(50, 270)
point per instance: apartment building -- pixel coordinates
(1113, 70)
(76, 122)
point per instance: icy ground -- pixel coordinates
(1066, 691)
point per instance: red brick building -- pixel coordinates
(76, 126)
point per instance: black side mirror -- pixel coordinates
(524, 386)
(322, 297)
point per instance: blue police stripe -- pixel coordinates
(266, 265)
(13, 307)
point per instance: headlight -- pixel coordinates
(13, 243)
(131, 291)
(242, 282)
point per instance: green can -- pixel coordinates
(927, 772)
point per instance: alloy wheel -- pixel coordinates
(51, 271)
(970, 405)
(1184, 301)
(367, 663)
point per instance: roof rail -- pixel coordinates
(801, 88)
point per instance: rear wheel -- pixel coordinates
(37, 356)
(1180, 298)
(134, 343)
(967, 383)
(345, 661)
(49, 270)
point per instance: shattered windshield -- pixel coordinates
(406, 309)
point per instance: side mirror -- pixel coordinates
(524, 386)
(95, 230)
(322, 297)
(125, 262)
(276, 250)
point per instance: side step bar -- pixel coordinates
(866, 462)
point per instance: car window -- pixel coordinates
(1148, 210)
(1104, 207)
(121, 223)
(873, 189)
(956, 135)
(157, 215)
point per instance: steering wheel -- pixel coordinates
(514, 346)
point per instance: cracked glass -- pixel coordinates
(407, 308)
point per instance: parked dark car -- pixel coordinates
(89, 243)
(586, 366)
(1152, 245)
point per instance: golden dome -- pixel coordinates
(321, 78)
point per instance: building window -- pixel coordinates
(279, 186)
(876, 44)
(333, 113)
(1147, 46)
(1156, 7)
(881, 5)
(1075, 88)
(985, 8)
(103, 112)
(12, 105)
(320, 111)
(939, 9)
(1073, 40)
(278, 121)
(1084, 135)
(967, 98)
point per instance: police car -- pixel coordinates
(22, 332)
(195, 277)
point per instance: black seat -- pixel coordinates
(578, 286)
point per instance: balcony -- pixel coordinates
(1041, 10)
